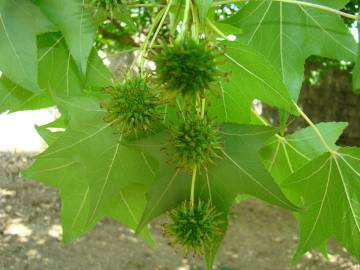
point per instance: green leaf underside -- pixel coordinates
(330, 190)
(58, 76)
(91, 141)
(58, 72)
(75, 23)
(20, 22)
(283, 156)
(250, 77)
(110, 166)
(240, 171)
(287, 34)
(51, 136)
(13, 97)
(70, 178)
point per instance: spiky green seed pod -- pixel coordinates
(196, 142)
(189, 67)
(133, 107)
(194, 228)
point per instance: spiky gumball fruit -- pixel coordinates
(133, 107)
(189, 67)
(196, 143)
(194, 227)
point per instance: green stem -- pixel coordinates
(217, 30)
(146, 41)
(302, 3)
(266, 123)
(161, 23)
(144, 5)
(315, 128)
(185, 18)
(203, 103)
(193, 181)
(196, 27)
(262, 119)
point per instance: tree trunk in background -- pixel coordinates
(332, 100)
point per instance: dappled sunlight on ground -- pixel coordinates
(55, 231)
(16, 228)
(17, 130)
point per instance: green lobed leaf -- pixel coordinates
(58, 77)
(329, 188)
(75, 23)
(283, 156)
(128, 207)
(58, 72)
(287, 34)
(79, 174)
(20, 22)
(110, 165)
(51, 136)
(13, 97)
(171, 186)
(240, 171)
(250, 76)
(70, 178)
(98, 75)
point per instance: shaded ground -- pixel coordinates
(260, 237)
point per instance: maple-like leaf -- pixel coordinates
(110, 165)
(283, 156)
(58, 77)
(76, 24)
(20, 22)
(250, 76)
(329, 189)
(288, 33)
(240, 171)
(70, 178)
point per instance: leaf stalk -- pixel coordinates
(315, 128)
(185, 18)
(217, 30)
(193, 181)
